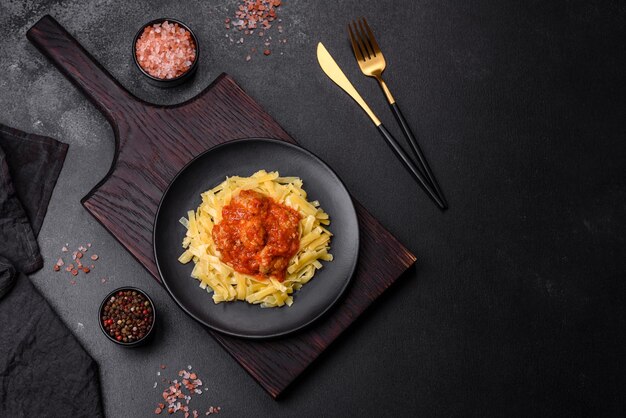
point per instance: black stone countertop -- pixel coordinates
(517, 305)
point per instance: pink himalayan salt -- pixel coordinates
(165, 50)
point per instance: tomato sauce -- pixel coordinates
(257, 235)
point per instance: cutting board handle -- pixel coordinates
(80, 67)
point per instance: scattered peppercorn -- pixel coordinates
(127, 316)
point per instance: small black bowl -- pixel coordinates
(167, 82)
(150, 331)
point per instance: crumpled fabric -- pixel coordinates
(17, 239)
(35, 164)
(29, 168)
(44, 371)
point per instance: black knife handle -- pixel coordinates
(408, 164)
(417, 151)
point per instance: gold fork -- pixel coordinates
(372, 64)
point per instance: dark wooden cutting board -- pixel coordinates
(154, 142)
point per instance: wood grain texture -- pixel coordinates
(382, 259)
(154, 142)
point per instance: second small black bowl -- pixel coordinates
(150, 330)
(167, 82)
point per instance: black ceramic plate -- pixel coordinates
(243, 158)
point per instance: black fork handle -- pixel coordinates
(408, 164)
(417, 151)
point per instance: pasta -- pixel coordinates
(228, 284)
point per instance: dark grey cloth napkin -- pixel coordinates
(29, 168)
(44, 371)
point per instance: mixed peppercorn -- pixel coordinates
(127, 316)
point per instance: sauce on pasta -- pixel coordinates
(257, 235)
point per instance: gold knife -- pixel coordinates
(332, 70)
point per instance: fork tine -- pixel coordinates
(365, 41)
(359, 40)
(355, 47)
(371, 37)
